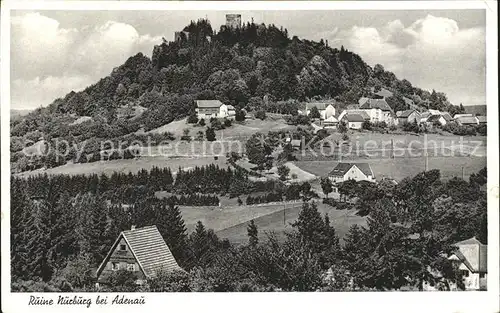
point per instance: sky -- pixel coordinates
(55, 52)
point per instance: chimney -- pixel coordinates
(132, 227)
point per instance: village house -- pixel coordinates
(436, 119)
(363, 114)
(467, 120)
(471, 257)
(331, 122)
(206, 109)
(326, 109)
(379, 111)
(356, 171)
(141, 251)
(482, 119)
(447, 117)
(408, 116)
(354, 121)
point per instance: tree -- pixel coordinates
(193, 118)
(173, 230)
(342, 127)
(314, 113)
(258, 150)
(201, 122)
(326, 185)
(252, 234)
(240, 115)
(210, 134)
(260, 114)
(283, 172)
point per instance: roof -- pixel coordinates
(296, 142)
(482, 262)
(363, 114)
(447, 116)
(408, 100)
(433, 118)
(149, 249)
(406, 113)
(230, 107)
(384, 93)
(434, 112)
(354, 117)
(425, 115)
(461, 115)
(319, 105)
(342, 168)
(363, 100)
(481, 119)
(331, 119)
(376, 104)
(467, 120)
(208, 103)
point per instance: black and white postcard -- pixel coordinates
(249, 156)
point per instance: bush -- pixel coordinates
(192, 119)
(240, 115)
(201, 122)
(367, 125)
(260, 114)
(298, 120)
(227, 123)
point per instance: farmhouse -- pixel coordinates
(206, 109)
(467, 120)
(436, 119)
(378, 110)
(363, 114)
(408, 116)
(354, 121)
(326, 109)
(141, 251)
(472, 260)
(357, 171)
(330, 122)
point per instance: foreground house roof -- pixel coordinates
(149, 249)
(474, 265)
(342, 168)
(208, 103)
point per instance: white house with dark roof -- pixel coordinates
(378, 110)
(356, 171)
(207, 109)
(354, 121)
(326, 109)
(408, 116)
(471, 257)
(141, 251)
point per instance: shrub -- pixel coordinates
(192, 119)
(201, 122)
(260, 114)
(227, 123)
(240, 115)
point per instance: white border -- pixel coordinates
(272, 302)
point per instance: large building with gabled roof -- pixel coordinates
(142, 251)
(356, 171)
(471, 257)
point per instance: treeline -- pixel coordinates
(195, 200)
(270, 197)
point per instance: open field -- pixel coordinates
(126, 166)
(400, 168)
(225, 217)
(279, 222)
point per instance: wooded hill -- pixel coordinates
(237, 66)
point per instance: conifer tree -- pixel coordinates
(18, 218)
(171, 226)
(252, 231)
(199, 243)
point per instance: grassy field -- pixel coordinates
(280, 220)
(125, 166)
(400, 168)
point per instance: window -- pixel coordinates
(115, 266)
(465, 273)
(481, 275)
(123, 247)
(131, 267)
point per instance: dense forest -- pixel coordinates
(257, 67)
(59, 238)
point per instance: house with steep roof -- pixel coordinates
(379, 111)
(207, 109)
(467, 120)
(142, 251)
(408, 116)
(356, 171)
(471, 257)
(363, 114)
(436, 119)
(331, 122)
